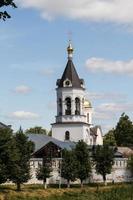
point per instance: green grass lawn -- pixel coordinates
(36, 192)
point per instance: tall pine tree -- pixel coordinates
(103, 157)
(82, 161)
(44, 170)
(124, 131)
(69, 166)
(3, 14)
(7, 153)
(20, 171)
(130, 164)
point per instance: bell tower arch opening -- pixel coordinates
(68, 106)
(77, 106)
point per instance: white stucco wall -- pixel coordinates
(119, 173)
(76, 131)
(99, 140)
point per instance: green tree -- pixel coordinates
(43, 172)
(50, 133)
(3, 14)
(109, 138)
(124, 131)
(69, 166)
(6, 153)
(82, 161)
(36, 130)
(130, 164)
(103, 157)
(20, 171)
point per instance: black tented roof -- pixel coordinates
(70, 74)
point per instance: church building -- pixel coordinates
(74, 111)
(73, 122)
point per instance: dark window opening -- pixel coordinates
(60, 107)
(77, 106)
(67, 135)
(88, 117)
(68, 106)
(67, 83)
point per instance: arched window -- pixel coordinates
(88, 117)
(60, 106)
(68, 106)
(77, 106)
(67, 135)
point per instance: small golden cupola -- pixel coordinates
(70, 51)
(87, 104)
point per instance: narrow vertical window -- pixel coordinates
(68, 106)
(77, 106)
(67, 135)
(60, 106)
(88, 117)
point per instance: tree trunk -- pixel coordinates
(81, 183)
(68, 183)
(45, 184)
(18, 187)
(104, 179)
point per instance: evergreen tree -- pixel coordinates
(43, 172)
(103, 157)
(124, 131)
(3, 14)
(50, 133)
(109, 138)
(69, 166)
(36, 130)
(82, 161)
(20, 171)
(7, 153)
(130, 164)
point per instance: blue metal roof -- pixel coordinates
(41, 140)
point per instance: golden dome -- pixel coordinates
(87, 104)
(70, 48)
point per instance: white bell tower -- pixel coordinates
(74, 112)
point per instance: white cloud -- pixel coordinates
(101, 115)
(47, 72)
(105, 96)
(23, 115)
(115, 107)
(51, 106)
(108, 66)
(106, 128)
(107, 114)
(22, 89)
(118, 11)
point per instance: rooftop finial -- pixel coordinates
(70, 50)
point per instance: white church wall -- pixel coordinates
(71, 118)
(119, 173)
(88, 111)
(75, 130)
(86, 135)
(34, 165)
(99, 140)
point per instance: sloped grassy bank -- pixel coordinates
(116, 192)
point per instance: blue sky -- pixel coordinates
(33, 55)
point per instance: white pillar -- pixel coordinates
(63, 107)
(81, 107)
(73, 106)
